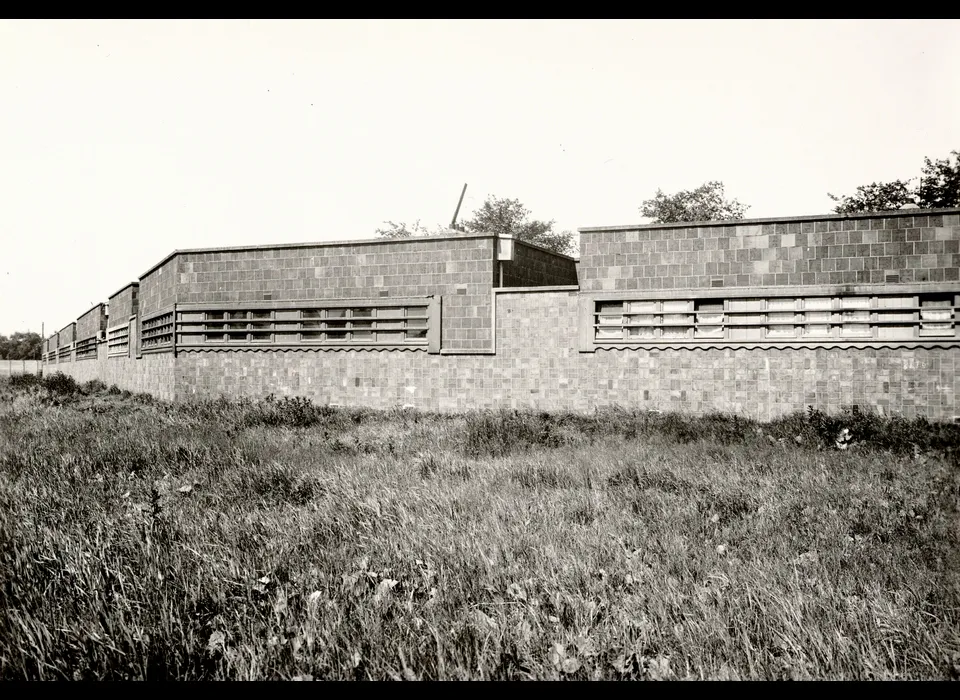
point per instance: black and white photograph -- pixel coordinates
(480, 350)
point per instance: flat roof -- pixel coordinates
(895, 213)
(126, 286)
(319, 244)
(92, 308)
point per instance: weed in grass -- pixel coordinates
(276, 539)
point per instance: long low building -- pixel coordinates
(757, 317)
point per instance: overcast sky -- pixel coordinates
(121, 141)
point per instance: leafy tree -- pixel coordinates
(502, 217)
(511, 218)
(705, 203)
(400, 230)
(938, 187)
(21, 346)
(877, 196)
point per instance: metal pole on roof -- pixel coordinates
(453, 222)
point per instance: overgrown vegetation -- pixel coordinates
(500, 433)
(21, 346)
(277, 539)
(500, 216)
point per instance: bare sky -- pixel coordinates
(121, 141)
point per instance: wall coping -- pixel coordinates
(91, 309)
(892, 214)
(123, 288)
(540, 248)
(318, 244)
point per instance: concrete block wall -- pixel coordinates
(914, 246)
(537, 365)
(123, 303)
(538, 360)
(92, 322)
(67, 335)
(533, 266)
(158, 286)
(459, 268)
(152, 374)
(538, 331)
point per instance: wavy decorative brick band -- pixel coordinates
(700, 316)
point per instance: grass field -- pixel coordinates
(282, 540)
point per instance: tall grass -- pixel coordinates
(277, 539)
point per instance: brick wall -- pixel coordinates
(152, 374)
(124, 304)
(460, 269)
(92, 322)
(158, 286)
(534, 267)
(537, 361)
(67, 335)
(537, 365)
(852, 249)
(762, 384)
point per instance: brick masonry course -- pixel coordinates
(532, 266)
(152, 374)
(537, 366)
(92, 322)
(124, 303)
(460, 269)
(537, 362)
(837, 250)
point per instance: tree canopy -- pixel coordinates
(401, 230)
(500, 216)
(21, 346)
(938, 187)
(511, 218)
(705, 203)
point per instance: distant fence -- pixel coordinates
(11, 367)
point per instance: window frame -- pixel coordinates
(414, 324)
(118, 339)
(86, 349)
(851, 316)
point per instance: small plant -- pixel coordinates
(24, 381)
(94, 386)
(428, 465)
(844, 439)
(176, 543)
(60, 383)
(871, 431)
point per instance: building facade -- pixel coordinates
(757, 317)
